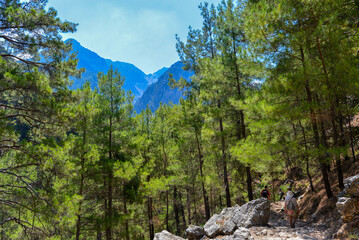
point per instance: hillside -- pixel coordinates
(160, 91)
(136, 80)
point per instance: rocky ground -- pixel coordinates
(278, 228)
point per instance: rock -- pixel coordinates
(348, 208)
(242, 234)
(253, 213)
(352, 185)
(264, 232)
(229, 227)
(164, 235)
(194, 232)
(213, 227)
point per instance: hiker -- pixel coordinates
(291, 208)
(265, 193)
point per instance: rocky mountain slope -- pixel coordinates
(160, 91)
(136, 80)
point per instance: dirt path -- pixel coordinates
(278, 228)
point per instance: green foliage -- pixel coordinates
(275, 89)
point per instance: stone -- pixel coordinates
(229, 227)
(194, 232)
(264, 232)
(348, 208)
(213, 227)
(164, 235)
(242, 234)
(253, 213)
(351, 185)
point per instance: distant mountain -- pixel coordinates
(135, 80)
(152, 78)
(160, 91)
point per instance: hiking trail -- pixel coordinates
(278, 227)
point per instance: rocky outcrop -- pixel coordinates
(352, 185)
(231, 223)
(348, 207)
(164, 235)
(253, 213)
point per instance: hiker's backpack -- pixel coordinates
(265, 193)
(290, 205)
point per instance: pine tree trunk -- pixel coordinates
(181, 208)
(306, 157)
(224, 161)
(150, 218)
(189, 206)
(78, 224)
(314, 126)
(205, 198)
(127, 232)
(167, 212)
(249, 183)
(176, 210)
(332, 115)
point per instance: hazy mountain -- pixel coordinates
(136, 80)
(160, 91)
(152, 78)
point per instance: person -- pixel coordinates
(265, 193)
(291, 208)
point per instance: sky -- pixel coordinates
(141, 32)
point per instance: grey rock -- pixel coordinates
(242, 234)
(253, 213)
(214, 226)
(352, 185)
(164, 235)
(229, 227)
(194, 232)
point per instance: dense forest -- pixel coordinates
(276, 87)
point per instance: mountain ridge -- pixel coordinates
(148, 89)
(161, 92)
(135, 78)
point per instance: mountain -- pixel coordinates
(152, 78)
(160, 91)
(135, 80)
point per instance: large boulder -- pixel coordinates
(194, 232)
(164, 235)
(352, 185)
(221, 224)
(348, 208)
(253, 213)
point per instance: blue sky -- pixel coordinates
(141, 32)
